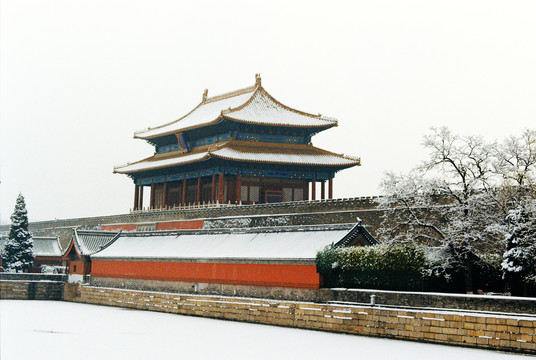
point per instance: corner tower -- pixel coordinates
(240, 147)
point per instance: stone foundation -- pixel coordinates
(265, 292)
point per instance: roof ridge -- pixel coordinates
(229, 94)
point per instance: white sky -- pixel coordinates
(77, 78)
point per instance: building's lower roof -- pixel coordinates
(273, 153)
(87, 242)
(290, 243)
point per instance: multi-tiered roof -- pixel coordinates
(242, 133)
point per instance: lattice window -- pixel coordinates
(288, 194)
(298, 194)
(146, 227)
(254, 194)
(244, 193)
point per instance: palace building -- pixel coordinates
(242, 147)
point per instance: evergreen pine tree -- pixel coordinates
(519, 260)
(18, 251)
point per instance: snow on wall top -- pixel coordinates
(252, 105)
(47, 246)
(255, 245)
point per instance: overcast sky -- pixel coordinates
(77, 78)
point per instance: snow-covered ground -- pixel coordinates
(61, 330)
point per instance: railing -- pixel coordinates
(216, 204)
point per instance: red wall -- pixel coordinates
(293, 276)
(181, 225)
(117, 227)
(82, 267)
(167, 225)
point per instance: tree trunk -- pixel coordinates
(468, 277)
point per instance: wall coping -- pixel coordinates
(457, 295)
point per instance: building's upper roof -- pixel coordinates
(87, 242)
(273, 153)
(251, 105)
(47, 246)
(276, 243)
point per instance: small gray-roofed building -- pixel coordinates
(47, 251)
(47, 246)
(83, 244)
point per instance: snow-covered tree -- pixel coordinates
(18, 251)
(519, 259)
(516, 160)
(445, 200)
(516, 165)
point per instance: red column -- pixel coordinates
(213, 190)
(220, 188)
(153, 187)
(140, 206)
(164, 197)
(323, 189)
(313, 190)
(238, 188)
(198, 192)
(183, 202)
(330, 189)
(136, 197)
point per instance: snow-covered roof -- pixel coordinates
(275, 153)
(251, 105)
(47, 246)
(88, 242)
(289, 243)
(3, 241)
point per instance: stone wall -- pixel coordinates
(503, 304)
(512, 333)
(32, 277)
(31, 290)
(334, 211)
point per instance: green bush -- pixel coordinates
(397, 267)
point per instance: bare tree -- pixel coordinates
(446, 199)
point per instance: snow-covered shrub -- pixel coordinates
(398, 267)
